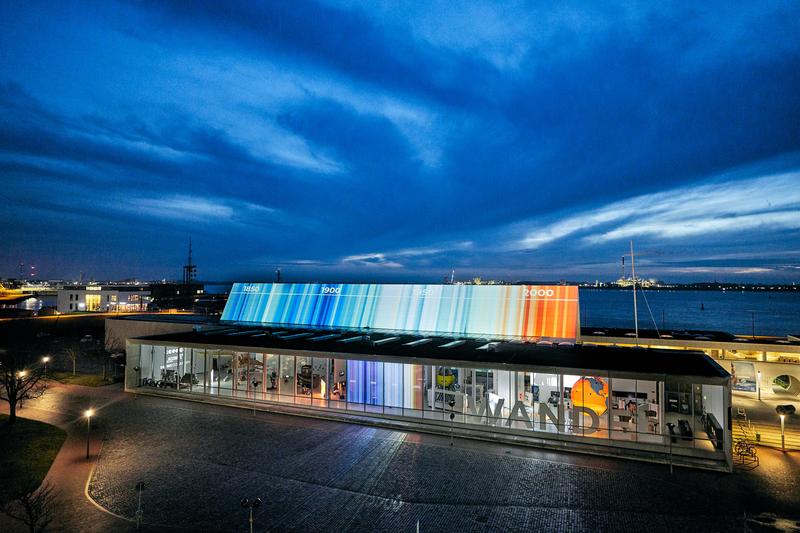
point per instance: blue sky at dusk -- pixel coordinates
(396, 141)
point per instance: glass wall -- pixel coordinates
(624, 411)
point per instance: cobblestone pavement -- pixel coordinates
(197, 461)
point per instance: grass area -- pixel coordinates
(27, 450)
(87, 380)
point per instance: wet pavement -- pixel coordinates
(198, 460)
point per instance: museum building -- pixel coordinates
(497, 362)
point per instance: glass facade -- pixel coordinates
(618, 411)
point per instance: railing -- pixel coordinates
(764, 435)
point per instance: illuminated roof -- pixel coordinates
(505, 311)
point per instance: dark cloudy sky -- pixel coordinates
(397, 140)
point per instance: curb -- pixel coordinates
(89, 480)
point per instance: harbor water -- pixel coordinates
(739, 312)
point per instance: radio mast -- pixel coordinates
(635, 308)
(189, 269)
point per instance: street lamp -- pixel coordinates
(783, 441)
(45, 360)
(251, 504)
(22, 373)
(452, 404)
(89, 413)
(758, 385)
(139, 512)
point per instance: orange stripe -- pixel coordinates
(548, 317)
(541, 316)
(573, 315)
(527, 326)
(559, 305)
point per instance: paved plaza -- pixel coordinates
(198, 460)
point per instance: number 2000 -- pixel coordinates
(538, 292)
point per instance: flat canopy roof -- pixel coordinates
(692, 335)
(333, 343)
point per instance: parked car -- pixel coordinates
(785, 409)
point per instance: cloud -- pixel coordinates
(195, 209)
(378, 137)
(408, 256)
(371, 260)
(768, 203)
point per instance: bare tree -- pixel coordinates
(114, 345)
(34, 508)
(73, 353)
(18, 383)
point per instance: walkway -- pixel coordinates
(761, 417)
(63, 406)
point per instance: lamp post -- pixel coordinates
(139, 512)
(451, 403)
(671, 426)
(783, 440)
(251, 504)
(88, 414)
(20, 376)
(45, 360)
(758, 385)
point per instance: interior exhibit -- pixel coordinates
(664, 412)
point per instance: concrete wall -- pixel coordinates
(769, 371)
(119, 330)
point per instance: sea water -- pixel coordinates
(739, 312)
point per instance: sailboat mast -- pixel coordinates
(635, 308)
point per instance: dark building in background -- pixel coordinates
(188, 295)
(173, 295)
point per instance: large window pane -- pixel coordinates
(338, 394)
(590, 405)
(287, 379)
(196, 377)
(623, 409)
(273, 372)
(320, 381)
(226, 373)
(713, 416)
(356, 385)
(393, 388)
(547, 403)
(414, 389)
(431, 410)
(305, 371)
(648, 411)
(147, 375)
(678, 416)
(374, 376)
